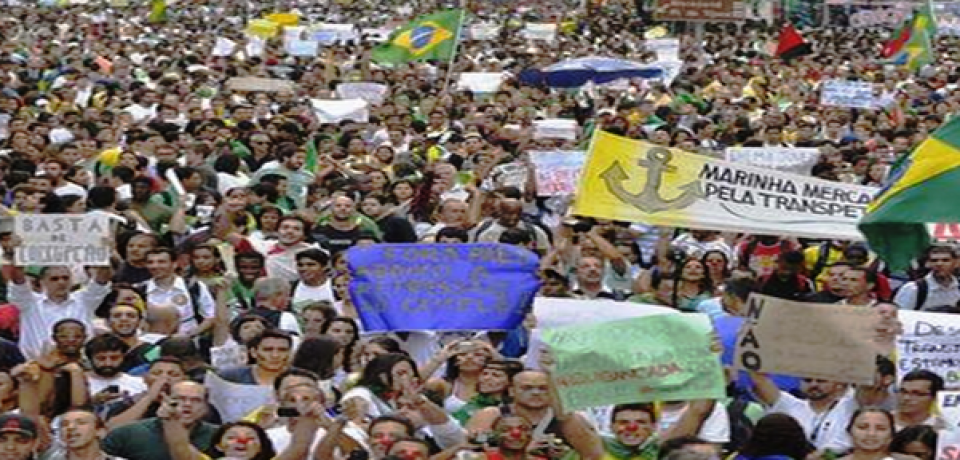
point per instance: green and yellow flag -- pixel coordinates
(918, 192)
(432, 36)
(158, 11)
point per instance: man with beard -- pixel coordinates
(124, 322)
(530, 393)
(105, 381)
(824, 415)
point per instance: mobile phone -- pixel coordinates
(288, 412)
(112, 389)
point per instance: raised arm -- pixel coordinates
(766, 391)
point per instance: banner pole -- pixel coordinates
(456, 47)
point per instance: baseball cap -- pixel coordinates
(16, 423)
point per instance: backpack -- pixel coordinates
(923, 290)
(741, 427)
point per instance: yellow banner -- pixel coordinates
(262, 28)
(635, 181)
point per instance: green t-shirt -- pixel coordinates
(143, 440)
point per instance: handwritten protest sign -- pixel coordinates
(371, 92)
(442, 286)
(667, 49)
(552, 312)
(62, 239)
(259, 84)
(786, 159)
(235, 401)
(691, 10)
(842, 93)
(484, 31)
(873, 17)
(930, 341)
(233, 355)
(808, 340)
(635, 360)
(302, 48)
(480, 82)
(337, 110)
(331, 33)
(948, 405)
(557, 171)
(555, 128)
(223, 47)
(635, 181)
(948, 444)
(544, 32)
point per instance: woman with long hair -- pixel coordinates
(346, 331)
(465, 363)
(872, 430)
(918, 441)
(381, 384)
(207, 265)
(321, 355)
(268, 222)
(776, 436)
(718, 268)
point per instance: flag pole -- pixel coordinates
(456, 47)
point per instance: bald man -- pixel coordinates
(143, 440)
(509, 212)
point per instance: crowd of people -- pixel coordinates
(233, 211)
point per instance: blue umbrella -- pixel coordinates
(574, 73)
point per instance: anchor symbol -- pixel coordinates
(649, 199)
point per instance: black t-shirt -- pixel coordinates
(131, 275)
(335, 240)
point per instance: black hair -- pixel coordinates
(316, 354)
(453, 232)
(270, 334)
(318, 255)
(407, 424)
(777, 434)
(353, 341)
(293, 372)
(936, 382)
(381, 368)
(104, 343)
(66, 321)
(649, 408)
(266, 445)
(924, 434)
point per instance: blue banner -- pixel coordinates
(442, 287)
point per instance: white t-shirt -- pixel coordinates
(127, 383)
(827, 430)
(715, 429)
(280, 437)
(305, 294)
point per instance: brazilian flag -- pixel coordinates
(918, 192)
(433, 36)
